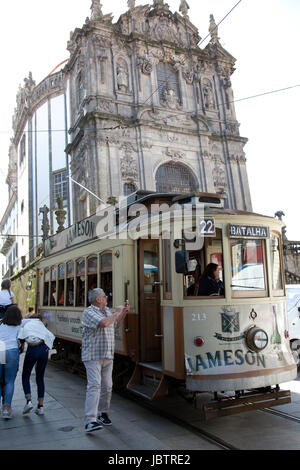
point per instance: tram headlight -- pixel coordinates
(256, 339)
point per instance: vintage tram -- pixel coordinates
(235, 341)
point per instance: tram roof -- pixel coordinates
(208, 199)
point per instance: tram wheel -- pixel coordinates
(295, 348)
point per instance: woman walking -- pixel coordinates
(6, 297)
(39, 341)
(9, 330)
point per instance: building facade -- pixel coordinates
(139, 105)
(151, 110)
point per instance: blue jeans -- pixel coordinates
(10, 370)
(35, 355)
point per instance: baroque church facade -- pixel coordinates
(151, 110)
(143, 107)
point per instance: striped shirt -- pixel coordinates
(97, 343)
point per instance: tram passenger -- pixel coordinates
(6, 297)
(30, 312)
(39, 341)
(97, 351)
(9, 330)
(210, 283)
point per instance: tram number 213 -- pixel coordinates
(198, 316)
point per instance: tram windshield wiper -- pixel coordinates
(248, 287)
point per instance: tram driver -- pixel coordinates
(209, 283)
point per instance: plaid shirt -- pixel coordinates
(97, 343)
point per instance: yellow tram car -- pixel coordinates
(236, 340)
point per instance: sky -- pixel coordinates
(264, 37)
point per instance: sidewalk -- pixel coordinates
(62, 426)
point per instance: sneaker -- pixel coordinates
(104, 419)
(39, 411)
(27, 408)
(90, 427)
(6, 414)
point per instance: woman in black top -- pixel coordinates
(209, 283)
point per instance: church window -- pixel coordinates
(175, 178)
(168, 80)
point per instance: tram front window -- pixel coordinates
(205, 276)
(248, 272)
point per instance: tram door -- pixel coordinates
(150, 310)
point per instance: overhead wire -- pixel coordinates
(132, 124)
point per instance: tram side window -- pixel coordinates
(53, 293)
(92, 274)
(61, 284)
(80, 282)
(46, 286)
(70, 284)
(277, 284)
(106, 276)
(205, 276)
(248, 267)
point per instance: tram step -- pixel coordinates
(148, 382)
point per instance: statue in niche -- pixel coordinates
(169, 97)
(122, 77)
(209, 101)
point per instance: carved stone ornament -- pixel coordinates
(105, 106)
(169, 98)
(168, 119)
(164, 29)
(24, 99)
(131, 4)
(188, 75)
(219, 178)
(175, 154)
(129, 169)
(145, 64)
(232, 128)
(101, 42)
(213, 29)
(60, 214)
(184, 8)
(96, 10)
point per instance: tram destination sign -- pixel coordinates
(248, 231)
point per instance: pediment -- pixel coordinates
(159, 24)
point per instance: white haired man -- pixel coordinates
(97, 352)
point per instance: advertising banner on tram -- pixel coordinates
(236, 340)
(67, 325)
